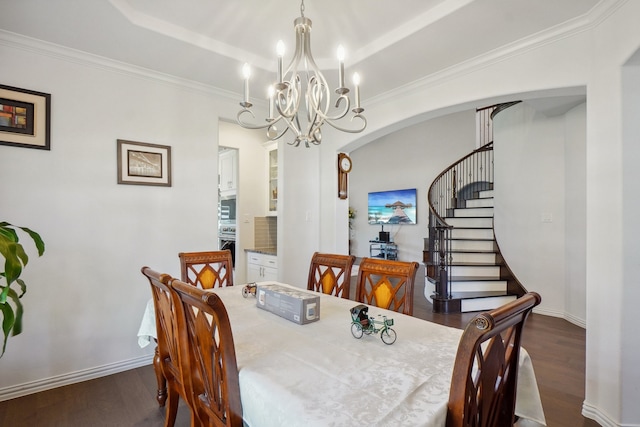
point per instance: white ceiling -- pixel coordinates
(390, 44)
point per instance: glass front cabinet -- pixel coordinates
(272, 163)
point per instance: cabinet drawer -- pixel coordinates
(262, 259)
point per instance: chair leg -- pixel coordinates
(162, 382)
(173, 398)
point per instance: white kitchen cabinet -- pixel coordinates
(228, 169)
(261, 267)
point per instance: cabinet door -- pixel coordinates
(272, 162)
(253, 273)
(228, 171)
(270, 274)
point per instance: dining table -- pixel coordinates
(319, 374)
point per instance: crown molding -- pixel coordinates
(570, 28)
(62, 53)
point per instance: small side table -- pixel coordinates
(385, 250)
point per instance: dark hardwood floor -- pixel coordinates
(556, 346)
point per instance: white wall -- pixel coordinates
(529, 187)
(86, 294)
(613, 344)
(539, 204)
(630, 371)
(575, 179)
(410, 158)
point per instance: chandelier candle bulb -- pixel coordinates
(340, 66)
(356, 83)
(246, 72)
(280, 53)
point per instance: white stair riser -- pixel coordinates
(479, 203)
(472, 245)
(459, 257)
(471, 222)
(485, 193)
(475, 271)
(483, 304)
(429, 289)
(472, 233)
(479, 286)
(475, 212)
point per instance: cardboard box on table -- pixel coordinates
(295, 305)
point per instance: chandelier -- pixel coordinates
(300, 99)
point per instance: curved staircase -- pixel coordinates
(465, 269)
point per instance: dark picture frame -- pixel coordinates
(25, 118)
(141, 163)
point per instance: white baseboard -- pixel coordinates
(24, 389)
(563, 315)
(596, 414)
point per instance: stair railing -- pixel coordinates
(450, 190)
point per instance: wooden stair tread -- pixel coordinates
(478, 294)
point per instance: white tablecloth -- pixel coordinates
(320, 375)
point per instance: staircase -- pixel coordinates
(475, 271)
(465, 270)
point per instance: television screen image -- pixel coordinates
(393, 207)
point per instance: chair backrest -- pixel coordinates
(167, 359)
(212, 269)
(387, 284)
(485, 374)
(330, 274)
(208, 355)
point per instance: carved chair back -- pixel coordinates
(387, 284)
(485, 374)
(207, 270)
(330, 274)
(167, 359)
(208, 355)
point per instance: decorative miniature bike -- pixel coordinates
(362, 324)
(249, 289)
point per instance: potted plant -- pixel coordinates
(15, 259)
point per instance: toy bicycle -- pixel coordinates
(249, 289)
(362, 324)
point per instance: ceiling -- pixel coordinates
(207, 41)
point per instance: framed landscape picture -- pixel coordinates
(393, 207)
(25, 118)
(141, 163)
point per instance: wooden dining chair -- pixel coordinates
(485, 373)
(208, 355)
(166, 362)
(387, 284)
(330, 274)
(207, 270)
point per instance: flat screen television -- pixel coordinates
(393, 207)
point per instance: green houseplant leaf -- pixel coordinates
(15, 260)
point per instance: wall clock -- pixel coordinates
(344, 167)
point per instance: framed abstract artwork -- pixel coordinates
(25, 118)
(141, 163)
